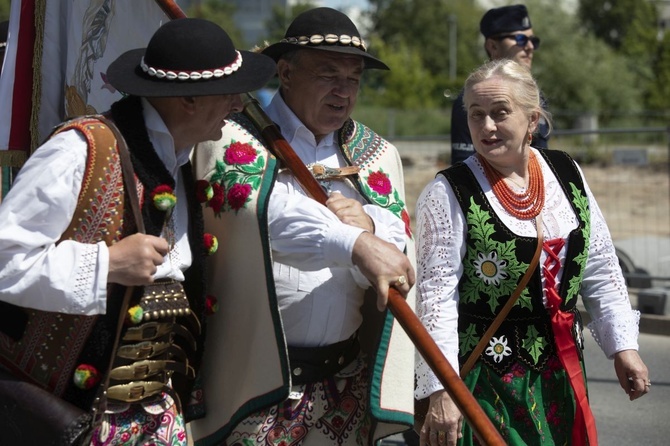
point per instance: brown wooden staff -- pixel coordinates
(171, 9)
(424, 343)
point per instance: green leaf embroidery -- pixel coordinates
(533, 343)
(581, 202)
(468, 339)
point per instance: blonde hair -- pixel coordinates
(525, 91)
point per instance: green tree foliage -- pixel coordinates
(282, 17)
(409, 85)
(220, 13)
(423, 26)
(578, 72)
(622, 24)
(659, 97)
(630, 27)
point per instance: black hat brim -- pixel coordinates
(126, 75)
(276, 50)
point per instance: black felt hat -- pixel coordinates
(324, 29)
(504, 20)
(189, 57)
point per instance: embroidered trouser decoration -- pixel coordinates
(142, 424)
(332, 411)
(561, 323)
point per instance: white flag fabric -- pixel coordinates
(56, 62)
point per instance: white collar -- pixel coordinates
(291, 126)
(162, 140)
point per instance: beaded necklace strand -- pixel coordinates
(522, 205)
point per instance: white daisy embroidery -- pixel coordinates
(498, 348)
(490, 269)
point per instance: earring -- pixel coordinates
(530, 138)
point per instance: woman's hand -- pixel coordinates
(632, 373)
(444, 422)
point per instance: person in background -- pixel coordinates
(508, 34)
(299, 271)
(178, 92)
(508, 214)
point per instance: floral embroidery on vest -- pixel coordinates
(379, 189)
(362, 146)
(238, 175)
(492, 267)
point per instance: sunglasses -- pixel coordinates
(521, 39)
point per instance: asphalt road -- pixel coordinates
(644, 422)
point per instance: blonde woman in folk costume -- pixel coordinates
(478, 226)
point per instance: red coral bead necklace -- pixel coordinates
(524, 205)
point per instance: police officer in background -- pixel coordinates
(508, 34)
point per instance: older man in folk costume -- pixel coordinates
(69, 248)
(301, 359)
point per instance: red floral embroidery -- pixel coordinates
(238, 195)
(218, 198)
(553, 416)
(240, 153)
(380, 183)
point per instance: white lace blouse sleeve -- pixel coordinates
(440, 248)
(35, 272)
(615, 325)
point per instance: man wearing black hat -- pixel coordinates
(300, 369)
(71, 239)
(508, 34)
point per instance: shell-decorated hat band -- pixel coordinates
(193, 75)
(328, 39)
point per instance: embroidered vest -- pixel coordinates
(248, 329)
(45, 348)
(496, 260)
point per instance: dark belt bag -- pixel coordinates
(312, 364)
(29, 415)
